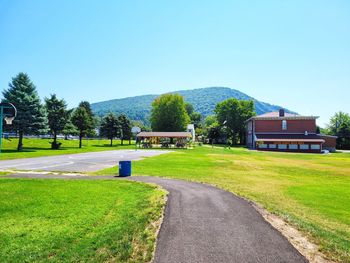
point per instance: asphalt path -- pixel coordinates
(205, 224)
(80, 162)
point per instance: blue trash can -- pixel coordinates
(124, 168)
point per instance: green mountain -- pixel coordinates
(203, 100)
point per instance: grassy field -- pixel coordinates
(77, 220)
(41, 147)
(310, 191)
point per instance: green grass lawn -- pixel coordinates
(78, 220)
(308, 190)
(41, 147)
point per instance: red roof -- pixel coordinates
(275, 114)
(287, 116)
(165, 134)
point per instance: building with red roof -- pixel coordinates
(281, 131)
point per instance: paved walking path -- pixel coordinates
(79, 162)
(206, 224)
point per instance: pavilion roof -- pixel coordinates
(165, 134)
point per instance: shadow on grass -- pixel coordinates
(23, 151)
(105, 145)
(35, 149)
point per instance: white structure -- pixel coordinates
(190, 128)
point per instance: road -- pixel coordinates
(81, 162)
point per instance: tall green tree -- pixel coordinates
(125, 126)
(195, 117)
(110, 127)
(81, 119)
(231, 115)
(339, 126)
(87, 106)
(169, 113)
(214, 133)
(247, 110)
(57, 117)
(69, 128)
(31, 116)
(189, 108)
(210, 121)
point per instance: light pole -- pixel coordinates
(7, 112)
(225, 127)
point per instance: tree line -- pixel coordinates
(228, 124)
(171, 113)
(339, 125)
(53, 116)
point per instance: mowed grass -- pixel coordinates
(311, 191)
(78, 220)
(42, 147)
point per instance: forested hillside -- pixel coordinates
(203, 100)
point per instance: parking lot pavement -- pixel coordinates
(81, 162)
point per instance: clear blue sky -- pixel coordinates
(292, 53)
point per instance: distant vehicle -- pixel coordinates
(325, 151)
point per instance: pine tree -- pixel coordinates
(81, 119)
(125, 125)
(69, 128)
(31, 116)
(110, 127)
(87, 106)
(57, 117)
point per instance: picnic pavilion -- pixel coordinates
(164, 139)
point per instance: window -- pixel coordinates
(272, 146)
(293, 146)
(304, 147)
(284, 125)
(282, 146)
(315, 147)
(262, 146)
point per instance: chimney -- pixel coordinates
(281, 113)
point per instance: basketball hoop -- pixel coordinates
(9, 120)
(7, 112)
